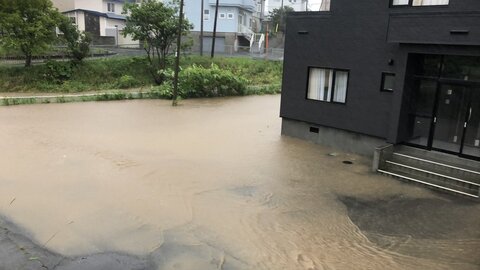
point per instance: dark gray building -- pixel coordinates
(400, 74)
(368, 73)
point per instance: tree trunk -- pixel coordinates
(28, 60)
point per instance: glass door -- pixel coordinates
(451, 115)
(471, 145)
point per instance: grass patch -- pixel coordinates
(130, 72)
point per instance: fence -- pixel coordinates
(60, 53)
(57, 53)
(244, 51)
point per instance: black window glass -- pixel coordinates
(461, 67)
(429, 65)
(388, 81)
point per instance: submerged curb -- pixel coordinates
(115, 95)
(45, 99)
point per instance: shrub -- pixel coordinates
(164, 90)
(58, 72)
(78, 42)
(127, 81)
(197, 81)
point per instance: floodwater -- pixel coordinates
(212, 184)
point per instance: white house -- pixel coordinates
(238, 23)
(297, 5)
(103, 19)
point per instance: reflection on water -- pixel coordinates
(211, 184)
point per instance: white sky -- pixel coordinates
(312, 4)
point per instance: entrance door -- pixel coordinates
(471, 145)
(450, 118)
(457, 120)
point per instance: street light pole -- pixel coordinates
(177, 60)
(201, 28)
(214, 29)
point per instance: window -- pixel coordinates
(419, 2)
(388, 81)
(230, 16)
(325, 5)
(110, 7)
(328, 85)
(429, 2)
(206, 14)
(73, 20)
(400, 2)
(222, 15)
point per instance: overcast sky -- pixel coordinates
(312, 4)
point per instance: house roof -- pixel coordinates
(100, 14)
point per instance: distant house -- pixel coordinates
(238, 23)
(103, 19)
(297, 5)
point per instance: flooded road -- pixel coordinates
(211, 184)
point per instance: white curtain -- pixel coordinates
(429, 2)
(400, 2)
(316, 82)
(341, 80)
(319, 84)
(325, 6)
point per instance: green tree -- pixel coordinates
(28, 26)
(78, 42)
(278, 17)
(155, 24)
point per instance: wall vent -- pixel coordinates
(314, 129)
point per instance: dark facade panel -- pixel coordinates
(359, 36)
(461, 28)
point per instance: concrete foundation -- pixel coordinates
(343, 140)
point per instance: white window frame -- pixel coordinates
(419, 3)
(327, 84)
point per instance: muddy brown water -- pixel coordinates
(212, 184)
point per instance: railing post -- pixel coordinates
(380, 155)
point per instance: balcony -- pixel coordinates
(447, 28)
(244, 4)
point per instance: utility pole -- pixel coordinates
(282, 11)
(177, 60)
(215, 29)
(201, 28)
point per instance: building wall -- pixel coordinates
(79, 19)
(64, 5)
(192, 13)
(354, 36)
(127, 41)
(96, 5)
(118, 6)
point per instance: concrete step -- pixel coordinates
(434, 177)
(444, 185)
(437, 166)
(435, 156)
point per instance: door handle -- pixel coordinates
(469, 114)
